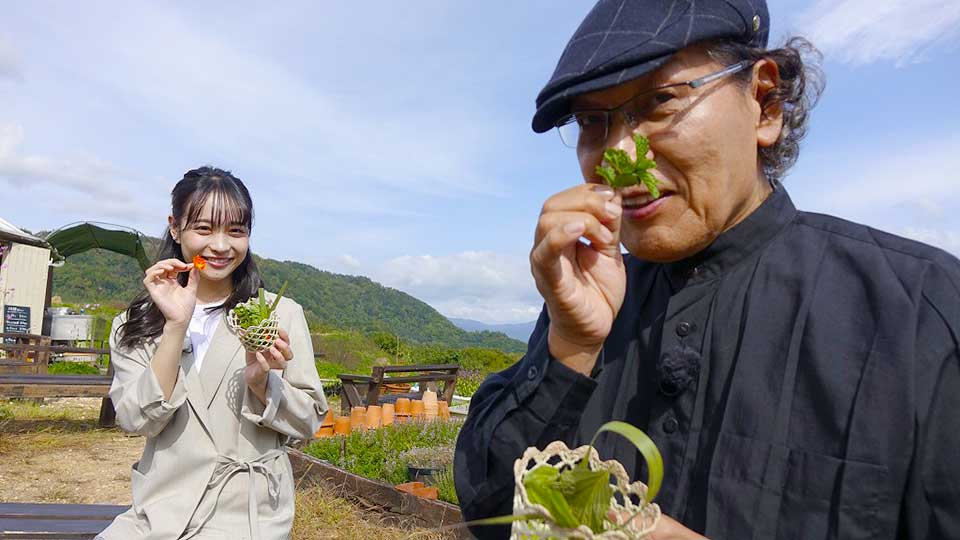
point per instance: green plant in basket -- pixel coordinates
(254, 321)
(254, 311)
(575, 498)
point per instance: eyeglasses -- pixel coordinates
(589, 128)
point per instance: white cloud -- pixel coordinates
(865, 31)
(348, 261)
(246, 106)
(920, 178)
(948, 240)
(482, 285)
(81, 187)
(86, 174)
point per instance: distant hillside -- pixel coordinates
(339, 301)
(519, 331)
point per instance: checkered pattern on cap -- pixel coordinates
(620, 40)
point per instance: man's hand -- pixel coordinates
(671, 529)
(582, 285)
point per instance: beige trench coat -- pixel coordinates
(213, 466)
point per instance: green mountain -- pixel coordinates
(332, 300)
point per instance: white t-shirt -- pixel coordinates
(202, 326)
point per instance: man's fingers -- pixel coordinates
(590, 198)
(593, 229)
(545, 256)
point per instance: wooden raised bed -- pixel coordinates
(398, 508)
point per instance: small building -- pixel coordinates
(25, 279)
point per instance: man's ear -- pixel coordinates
(766, 79)
(171, 224)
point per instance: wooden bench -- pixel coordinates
(23, 373)
(55, 521)
(359, 390)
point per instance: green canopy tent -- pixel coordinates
(79, 237)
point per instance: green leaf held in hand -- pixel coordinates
(620, 171)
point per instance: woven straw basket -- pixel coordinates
(259, 337)
(628, 499)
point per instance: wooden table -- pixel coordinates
(36, 521)
(361, 390)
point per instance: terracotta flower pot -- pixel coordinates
(341, 426)
(416, 409)
(427, 492)
(374, 415)
(443, 410)
(430, 405)
(388, 412)
(358, 419)
(408, 487)
(325, 431)
(403, 406)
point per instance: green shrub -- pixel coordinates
(469, 382)
(444, 484)
(72, 368)
(380, 454)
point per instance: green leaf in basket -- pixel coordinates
(543, 488)
(647, 449)
(276, 300)
(589, 495)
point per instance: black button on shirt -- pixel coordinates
(826, 401)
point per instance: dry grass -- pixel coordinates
(322, 515)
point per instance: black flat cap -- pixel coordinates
(620, 40)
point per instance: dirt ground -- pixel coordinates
(56, 453)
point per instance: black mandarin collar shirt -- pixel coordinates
(800, 377)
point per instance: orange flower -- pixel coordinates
(199, 262)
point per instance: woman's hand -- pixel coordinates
(259, 364)
(176, 302)
(582, 285)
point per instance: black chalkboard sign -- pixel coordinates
(16, 320)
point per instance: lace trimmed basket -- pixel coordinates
(258, 337)
(628, 498)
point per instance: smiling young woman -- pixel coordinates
(215, 418)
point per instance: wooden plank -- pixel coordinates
(62, 511)
(53, 348)
(52, 390)
(349, 397)
(409, 509)
(421, 378)
(55, 521)
(56, 379)
(34, 529)
(421, 367)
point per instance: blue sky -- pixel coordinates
(392, 139)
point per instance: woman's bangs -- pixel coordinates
(227, 208)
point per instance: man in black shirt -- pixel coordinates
(799, 373)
